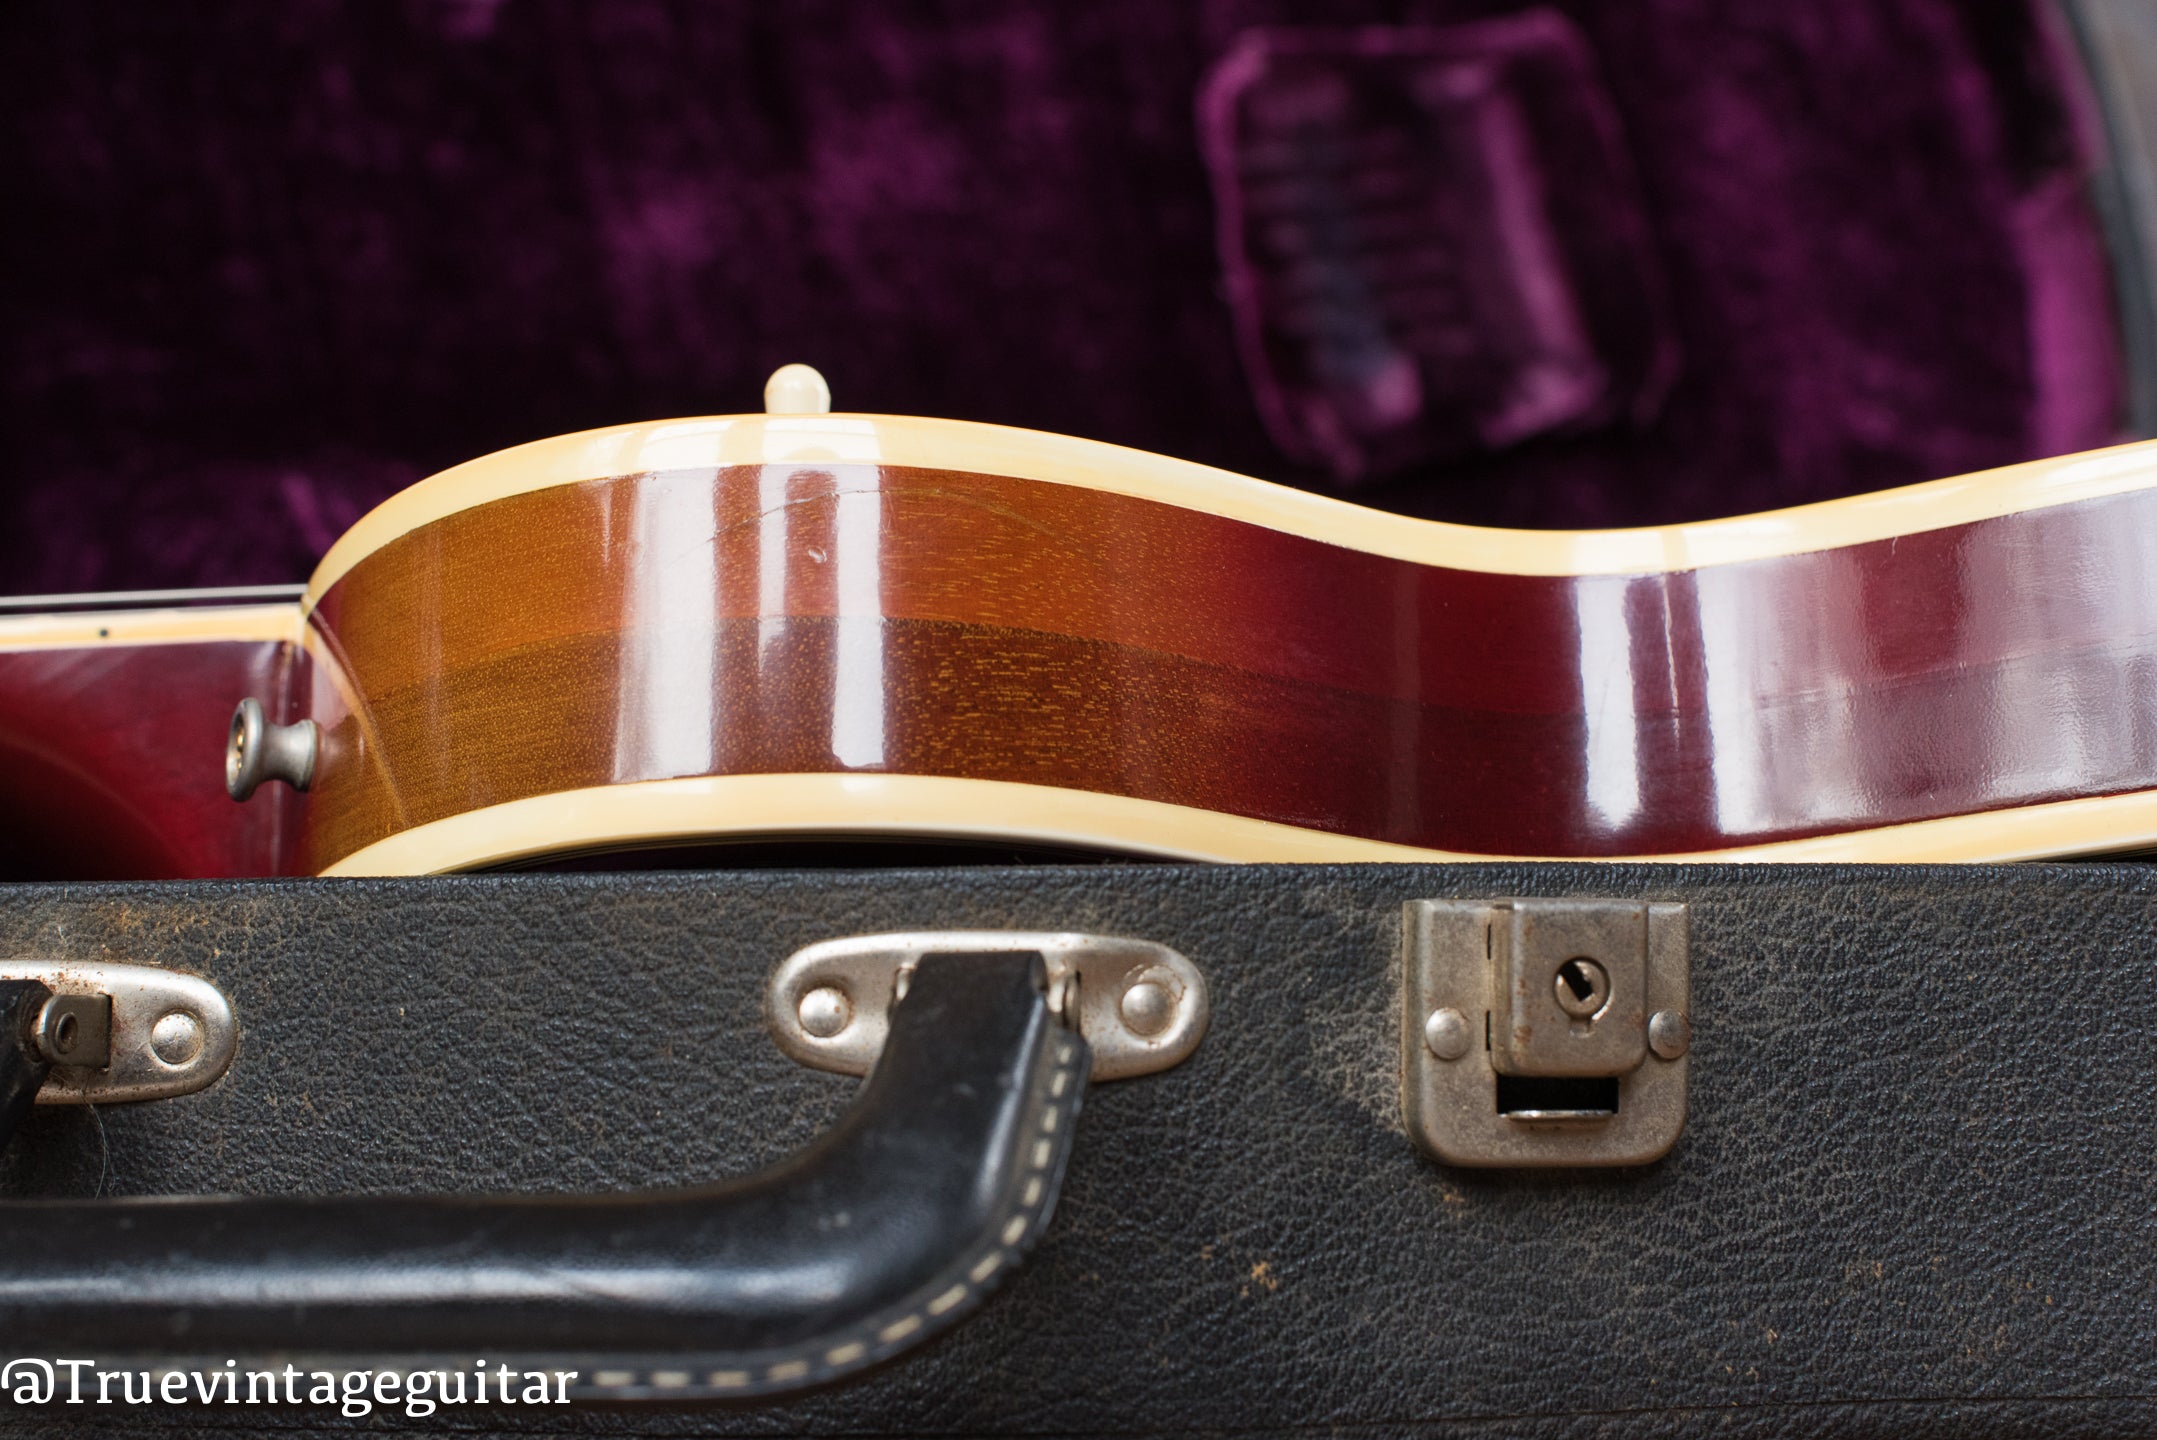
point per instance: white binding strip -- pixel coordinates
(201, 624)
(779, 806)
(1058, 459)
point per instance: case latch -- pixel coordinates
(1545, 1032)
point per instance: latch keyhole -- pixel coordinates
(1583, 987)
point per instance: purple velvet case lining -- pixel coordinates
(269, 260)
(1432, 240)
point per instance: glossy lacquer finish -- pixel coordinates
(111, 763)
(792, 619)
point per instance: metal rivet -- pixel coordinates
(1064, 998)
(1147, 1008)
(1446, 1034)
(176, 1038)
(825, 1011)
(1669, 1033)
(1583, 987)
(75, 1029)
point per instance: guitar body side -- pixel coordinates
(828, 644)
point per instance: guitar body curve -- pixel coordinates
(834, 625)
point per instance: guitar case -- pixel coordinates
(1911, 1192)
(1861, 1151)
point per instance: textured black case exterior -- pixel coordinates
(1916, 1193)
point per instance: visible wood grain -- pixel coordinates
(776, 619)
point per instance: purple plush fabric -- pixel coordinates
(1432, 240)
(267, 262)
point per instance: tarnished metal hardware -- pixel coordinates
(1545, 1032)
(165, 1033)
(1141, 1006)
(257, 751)
(75, 1030)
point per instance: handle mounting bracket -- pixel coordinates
(115, 1032)
(1141, 1007)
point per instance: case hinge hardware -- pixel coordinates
(1545, 1032)
(1141, 1006)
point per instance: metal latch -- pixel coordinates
(125, 1032)
(1545, 1032)
(1141, 1006)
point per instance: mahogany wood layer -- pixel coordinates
(764, 619)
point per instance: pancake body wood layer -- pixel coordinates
(798, 619)
(788, 626)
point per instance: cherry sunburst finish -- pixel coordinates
(842, 625)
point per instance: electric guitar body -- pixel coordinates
(807, 625)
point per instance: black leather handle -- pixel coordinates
(888, 1229)
(22, 1068)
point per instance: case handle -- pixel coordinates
(887, 1230)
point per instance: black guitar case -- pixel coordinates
(542, 1123)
